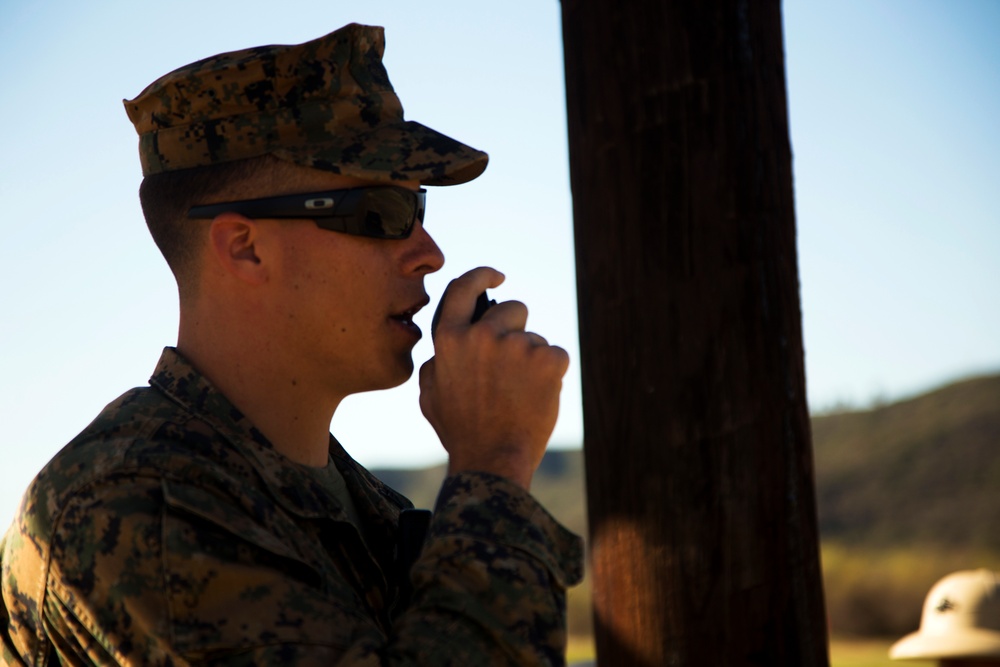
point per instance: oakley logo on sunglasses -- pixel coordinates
(319, 203)
(382, 212)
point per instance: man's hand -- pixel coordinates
(492, 389)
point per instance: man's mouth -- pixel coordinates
(406, 317)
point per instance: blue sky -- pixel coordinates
(893, 108)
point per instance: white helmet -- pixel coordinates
(961, 619)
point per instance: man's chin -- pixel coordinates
(394, 377)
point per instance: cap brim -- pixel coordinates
(970, 643)
(392, 152)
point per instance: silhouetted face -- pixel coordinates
(345, 303)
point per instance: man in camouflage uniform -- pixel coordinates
(211, 517)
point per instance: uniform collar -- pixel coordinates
(291, 486)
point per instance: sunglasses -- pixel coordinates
(381, 212)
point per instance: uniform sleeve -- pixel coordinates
(139, 572)
(12, 641)
(490, 584)
(83, 581)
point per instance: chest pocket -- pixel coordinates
(242, 574)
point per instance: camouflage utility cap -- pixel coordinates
(326, 104)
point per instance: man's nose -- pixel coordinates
(423, 256)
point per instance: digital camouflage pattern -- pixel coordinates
(170, 532)
(326, 103)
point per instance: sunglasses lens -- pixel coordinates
(389, 212)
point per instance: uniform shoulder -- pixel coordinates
(143, 434)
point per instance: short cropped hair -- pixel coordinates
(166, 198)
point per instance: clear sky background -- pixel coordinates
(894, 108)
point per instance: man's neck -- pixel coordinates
(294, 415)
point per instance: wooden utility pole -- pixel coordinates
(699, 466)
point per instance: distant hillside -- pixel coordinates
(920, 472)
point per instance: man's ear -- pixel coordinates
(233, 242)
